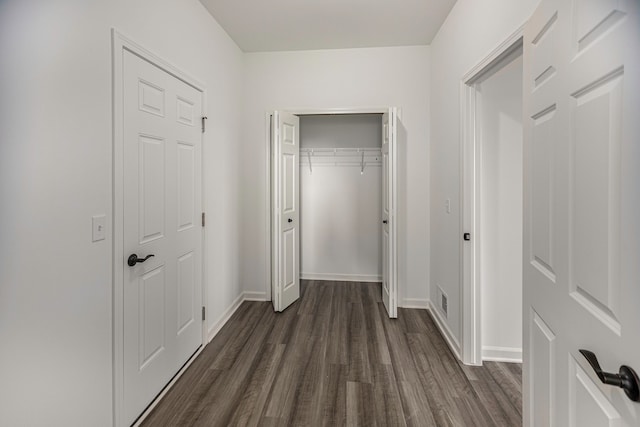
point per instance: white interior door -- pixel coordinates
(389, 204)
(162, 206)
(285, 178)
(581, 210)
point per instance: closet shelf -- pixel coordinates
(361, 157)
(338, 152)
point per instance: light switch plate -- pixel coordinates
(99, 223)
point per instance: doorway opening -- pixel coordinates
(332, 201)
(492, 220)
(341, 197)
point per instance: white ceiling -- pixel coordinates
(272, 25)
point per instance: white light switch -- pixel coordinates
(99, 227)
(447, 205)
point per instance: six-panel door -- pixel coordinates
(162, 206)
(582, 210)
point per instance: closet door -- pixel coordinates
(285, 178)
(389, 225)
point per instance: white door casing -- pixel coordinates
(470, 131)
(389, 206)
(581, 210)
(285, 178)
(162, 202)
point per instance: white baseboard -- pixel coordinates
(218, 324)
(415, 303)
(255, 296)
(342, 277)
(168, 387)
(451, 340)
(502, 354)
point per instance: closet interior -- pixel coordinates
(341, 197)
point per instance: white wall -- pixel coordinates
(471, 31)
(55, 173)
(501, 212)
(376, 77)
(340, 130)
(340, 208)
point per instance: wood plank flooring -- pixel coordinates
(334, 358)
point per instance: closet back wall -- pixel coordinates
(340, 208)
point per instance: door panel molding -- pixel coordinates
(581, 271)
(121, 44)
(285, 214)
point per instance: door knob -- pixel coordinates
(626, 379)
(384, 221)
(133, 259)
(289, 220)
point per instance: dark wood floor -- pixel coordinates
(334, 358)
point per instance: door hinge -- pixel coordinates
(204, 314)
(203, 219)
(203, 125)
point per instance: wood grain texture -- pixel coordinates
(334, 358)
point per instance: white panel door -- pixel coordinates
(285, 178)
(389, 222)
(581, 210)
(162, 206)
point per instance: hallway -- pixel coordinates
(335, 358)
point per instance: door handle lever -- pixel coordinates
(626, 379)
(133, 259)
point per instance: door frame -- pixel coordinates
(267, 180)
(470, 197)
(120, 43)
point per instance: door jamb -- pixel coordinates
(120, 43)
(470, 143)
(267, 180)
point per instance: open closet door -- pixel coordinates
(285, 215)
(389, 203)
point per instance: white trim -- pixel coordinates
(301, 111)
(256, 296)
(267, 244)
(394, 214)
(502, 354)
(224, 317)
(274, 209)
(419, 303)
(335, 111)
(120, 43)
(442, 325)
(470, 315)
(342, 277)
